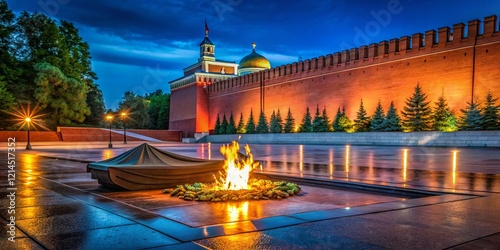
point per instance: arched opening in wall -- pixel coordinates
(486, 51)
(444, 57)
(465, 54)
(425, 60)
(407, 64)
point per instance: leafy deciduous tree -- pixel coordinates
(65, 97)
(158, 109)
(137, 107)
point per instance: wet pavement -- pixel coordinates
(58, 206)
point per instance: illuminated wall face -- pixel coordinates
(183, 110)
(448, 72)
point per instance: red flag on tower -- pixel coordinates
(206, 27)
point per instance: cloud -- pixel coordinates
(128, 36)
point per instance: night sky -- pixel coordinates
(142, 45)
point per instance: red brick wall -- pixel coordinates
(183, 110)
(164, 135)
(445, 67)
(97, 134)
(201, 109)
(22, 136)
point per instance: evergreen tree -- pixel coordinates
(262, 125)
(362, 122)
(443, 118)
(336, 123)
(279, 120)
(274, 124)
(241, 125)
(392, 121)
(326, 126)
(417, 112)
(217, 125)
(490, 113)
(346, 124)
(471, 117)
(289, 122)
(306, 125)
(377, 122)
(223, 125)
(231, 126)
(250, 127)
(317, 122)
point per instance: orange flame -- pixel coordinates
(237, 167)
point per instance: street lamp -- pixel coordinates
(110, 119)
(124, 116)
(28, 121)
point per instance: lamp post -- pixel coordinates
(28, 121)
(110, 119)
(124, 116)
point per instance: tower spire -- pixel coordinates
(206, 28)
(253, 46)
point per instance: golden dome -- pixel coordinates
(254, 60)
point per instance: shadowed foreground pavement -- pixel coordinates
(58, 206)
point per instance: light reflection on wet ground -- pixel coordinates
(57, 218)
(475, 169)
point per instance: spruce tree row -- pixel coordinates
(417, 115)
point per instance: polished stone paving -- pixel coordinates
(58, 206)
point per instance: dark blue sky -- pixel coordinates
(141, 45)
